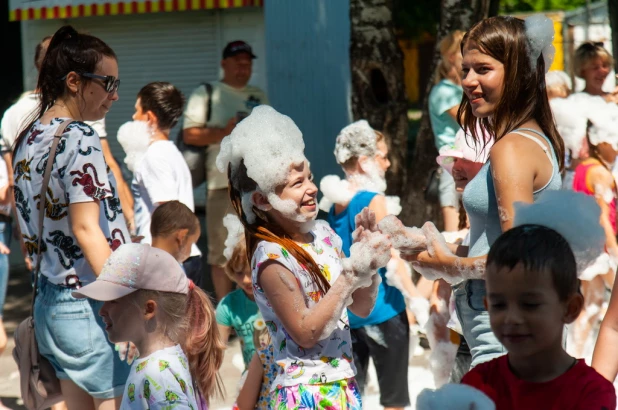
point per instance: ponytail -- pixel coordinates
(263, 230)
(203, 345)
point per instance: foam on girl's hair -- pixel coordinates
(571, 123)
(574, 216)
(558, 78)
(540, 33)
(269, 143)
(235, 232)
(355, 140)
(454, 397)
(604, 124)
(134, 138)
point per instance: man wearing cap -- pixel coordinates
(232, 99)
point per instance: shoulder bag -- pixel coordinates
(40, 388)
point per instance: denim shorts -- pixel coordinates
(470, 308)
(5, 238)
(448, 194)
(71, 335)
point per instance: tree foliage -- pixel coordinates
(515, 6)
(414, 18)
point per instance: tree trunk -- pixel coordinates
(456, 15)
(612, 11)
(378, 94)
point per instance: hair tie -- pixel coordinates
(540, 34)
(191, 285)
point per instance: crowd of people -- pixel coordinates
(511, 296)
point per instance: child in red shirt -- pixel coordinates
(532, 292)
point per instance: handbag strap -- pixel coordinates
(43, 203)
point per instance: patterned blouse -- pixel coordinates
(79, 174)
(331, 358)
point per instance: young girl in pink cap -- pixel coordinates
(150, 302)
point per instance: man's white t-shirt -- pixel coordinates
(161, 176)
(17, 116)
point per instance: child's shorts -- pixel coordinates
(71, 335)
(338, 395)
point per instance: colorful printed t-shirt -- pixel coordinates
(79, 174)
(160, 381)
(270, 368)
(331, 358)
(239, 312)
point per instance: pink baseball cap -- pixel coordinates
(463, 148)
(135, 266)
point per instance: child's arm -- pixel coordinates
(224, 322)
(305, 325)
(602, 181)
(224, 331)
(250, 392)
(604, 359)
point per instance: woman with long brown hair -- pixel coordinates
(504, 65)
(83, 220)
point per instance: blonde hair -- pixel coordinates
(238, 262)
(351, 163)
(588, 52)
(448, 46)
(171, 217)
(189, 320)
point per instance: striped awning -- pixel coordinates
(62, 9)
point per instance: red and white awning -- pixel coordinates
(62, 9)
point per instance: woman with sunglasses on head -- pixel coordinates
(83, 222)
(593, 63)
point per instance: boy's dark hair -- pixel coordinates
(537, 249)
(171, 217)
(164, 100)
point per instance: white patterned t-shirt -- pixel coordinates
(331, 358)
(79, 174)
(160, 381)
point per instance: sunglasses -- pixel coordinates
(110, 83)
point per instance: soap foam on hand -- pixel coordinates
(404, 239)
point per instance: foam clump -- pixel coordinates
(393, 205)
(574, 216)
(454, 397)
(371, 252)
(355, 140)
(571, 123)
(604, 124)
(540, 33)
(419, 306)
(404, 239)
(235, 232)
(134, 138)
(335, 191)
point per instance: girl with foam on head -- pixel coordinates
(301, 282)
(149, 301)
(504, 66)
